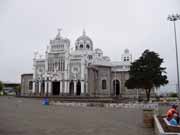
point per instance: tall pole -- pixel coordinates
(174, 18)
(178, 87)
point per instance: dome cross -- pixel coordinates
(59, 32)
(84, 32)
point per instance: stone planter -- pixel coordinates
(159, 129)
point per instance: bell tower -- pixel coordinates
(126, 56)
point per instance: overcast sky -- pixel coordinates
(113, 25)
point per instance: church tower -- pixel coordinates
(126, 56)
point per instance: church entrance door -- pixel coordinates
(116, 87)
(42, 88)
(55, 87)
(71, 87)
(78, 86)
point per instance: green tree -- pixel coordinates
(173, 94)
(146, 73)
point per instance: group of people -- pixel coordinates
(173, 116)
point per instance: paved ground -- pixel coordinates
(20, 116)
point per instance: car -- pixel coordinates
(9, 91)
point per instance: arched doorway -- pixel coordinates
(71, 88)
(116, 87)
(78, 88)
(55, 87)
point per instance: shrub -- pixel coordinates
(173, 94)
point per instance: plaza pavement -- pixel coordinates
(20, 116)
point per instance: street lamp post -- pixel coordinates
(173, 18)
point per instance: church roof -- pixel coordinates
(119, 63)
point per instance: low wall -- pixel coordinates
(107, 105)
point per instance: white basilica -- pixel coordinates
(64, 71)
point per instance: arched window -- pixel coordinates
(81, 46)
(87, 46)
(90, 57)
(103, 84)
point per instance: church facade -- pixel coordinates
(79, 72)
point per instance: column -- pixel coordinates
(45, 87)
(74, 87)
(61, 87)
(65, 87)
(34, 87)
(49, 89)
(39, 87)
(82, 87)
(87, 89)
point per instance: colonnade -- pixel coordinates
(63, 89)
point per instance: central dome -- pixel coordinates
(84, 42)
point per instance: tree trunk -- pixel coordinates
(148, 91)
